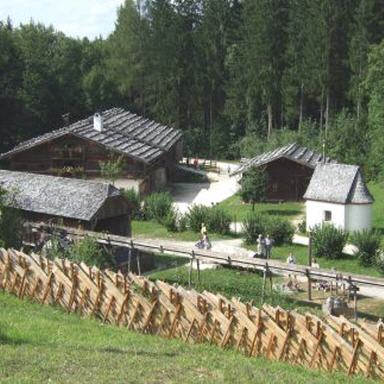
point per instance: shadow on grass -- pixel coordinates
(283, 212)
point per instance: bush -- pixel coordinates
(252, 226)
(134, 200)
(328, 241)
(196, 215)
(280, 230)
(157, 206)
(170, 221)
(215, 218)
(90, 252)
(380, 262)
(368, 244)
(182, 223)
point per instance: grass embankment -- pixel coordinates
(154, 230)
(248, 287)
(41, 344)
(239, 210)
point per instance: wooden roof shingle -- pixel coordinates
(123, 131)
(57, 196)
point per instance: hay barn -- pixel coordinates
(289, 170)
(74, 203)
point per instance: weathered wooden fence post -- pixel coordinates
(265, 272)
(309, 284)
(190, 269)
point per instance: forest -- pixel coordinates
(236, 76)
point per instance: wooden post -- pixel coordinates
(310, 250)
(264, 283)
(190, 272)
(130, 252)
(138, 262)
(309, 285)
(198, 269)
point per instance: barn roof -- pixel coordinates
(338, 183)
(57, 196)
(294, 152)
(123, 131)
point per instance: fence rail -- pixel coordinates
(139, 304)
(169, 247)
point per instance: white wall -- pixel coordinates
(315, 213)
(351, 217)
(358, 217)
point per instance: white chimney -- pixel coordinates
(97, 122)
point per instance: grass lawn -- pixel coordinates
(346, 264)
(240, 210)
(41, 344)
(153, 230)
(377, 190)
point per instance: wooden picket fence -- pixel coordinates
(138, 304)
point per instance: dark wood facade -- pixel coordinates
(74, 156)
(287, 180)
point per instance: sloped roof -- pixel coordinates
(294, 152)
(338, 183)
(123, 131)
(58, 196)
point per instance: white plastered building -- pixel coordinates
(337, 194)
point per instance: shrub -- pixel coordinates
(170, 221)
(182, 222)
(328, 241)
(280, 230)
(252, 226)
(90, 252)
(157, 206)
(215, 218)
(218, 220)
(134, 200)
(368, 244)
(196, 215)
(380, 262)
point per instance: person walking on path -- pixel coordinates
(261, 246)
(268, 246)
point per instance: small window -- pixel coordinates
(327, 215)
(274, 187)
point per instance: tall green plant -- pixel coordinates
(157, 206)
(328, 241)
(368, 246)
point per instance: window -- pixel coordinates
(274, 187)
(327, 215)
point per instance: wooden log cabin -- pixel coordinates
(289, 170)
(149, 150)
(75, 203)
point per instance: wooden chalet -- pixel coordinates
(150, 150)
(289, 170)
(73, 203)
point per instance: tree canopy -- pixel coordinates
(236, 76)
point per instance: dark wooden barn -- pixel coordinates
(289, 170)
(73, 203)
(150, 150)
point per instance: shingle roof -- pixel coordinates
(123, 131)
(294, 152)
(338, 183)
(58, 196)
